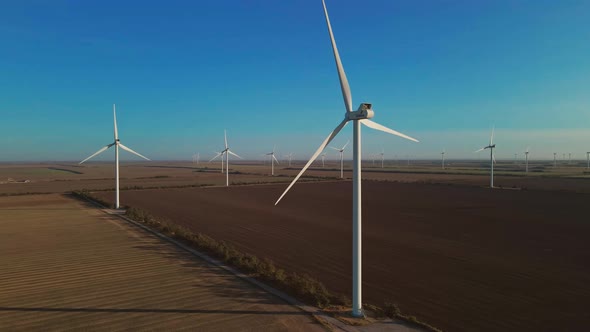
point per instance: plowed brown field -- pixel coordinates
(461, 258)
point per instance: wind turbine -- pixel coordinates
(526, 160)
(491, 146)
(323, 156)
(443, 158)
(554, 159)
(341, 158)
(587, 160)
(289, 156)
(117, 143)
(227, 152)
(570, 158)
(382, 157)
(358, 117)
(219, 154)
(272, 160)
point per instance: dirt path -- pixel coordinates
(67, 266)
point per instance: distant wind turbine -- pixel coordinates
(341, 158)
(117, 143)
(227, 152)
(526, 160)
(382, 157)
(323, 156)
(289, 156)
(587, 160)
(554, 159)
(443, 158)
(272, 160)
(219, 154)
(358, 117)
(491, 146)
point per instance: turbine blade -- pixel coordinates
(225, 137)
(97, 152)
(334, 148)
(315, 155)
(115, 121)
(341, 74)
(129, 150)
(233, 154)
(479, 150)
(345, 145)
(492, 137)
(376, 126)
(275, 158)
(216, 156)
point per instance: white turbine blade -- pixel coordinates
(314, 156)
(216, 156)
(97, 152)
(275, 158)
(334, 148)
(225, 137)
(233, 154)
(345, 145)
(492, 137)
(479, 150)
(115, 118)
(129, 150)
(493, 157)
(341, 74)
(376, 126)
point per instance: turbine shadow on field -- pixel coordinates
(147, 310)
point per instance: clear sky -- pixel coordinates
(181, 72)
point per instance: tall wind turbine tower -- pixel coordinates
(491, 146)
(358, 117)
(117, 143)
(382, 157)
(443, 158)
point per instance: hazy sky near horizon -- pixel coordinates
(181, 72)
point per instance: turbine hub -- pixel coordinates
(364, 111)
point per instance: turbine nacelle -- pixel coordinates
(364, 111)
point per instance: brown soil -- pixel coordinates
(462, 258)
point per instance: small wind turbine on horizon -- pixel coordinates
(382, 157)
(554, 159)
(227, 152)
(526, 160)
(272, 160)
(341, 158)
(587, 160)
(358, 117)
(117, 143)
(491, 146)
(289, 156)
(217, 155)
(323, 157)
(443, 158)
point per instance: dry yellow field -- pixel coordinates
(68, 266)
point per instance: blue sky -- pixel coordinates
(182, 71)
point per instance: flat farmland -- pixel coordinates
(463, 258)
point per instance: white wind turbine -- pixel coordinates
(554, 159)
(341, 151)
(361, 115)
(587, 160)
(491, 146)
(443, 158)
(323, 157)
(382, 157)
(272, 160)
(526, 160)
(117, 143)
(226, 152)
(219, 154)
(289, 157)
